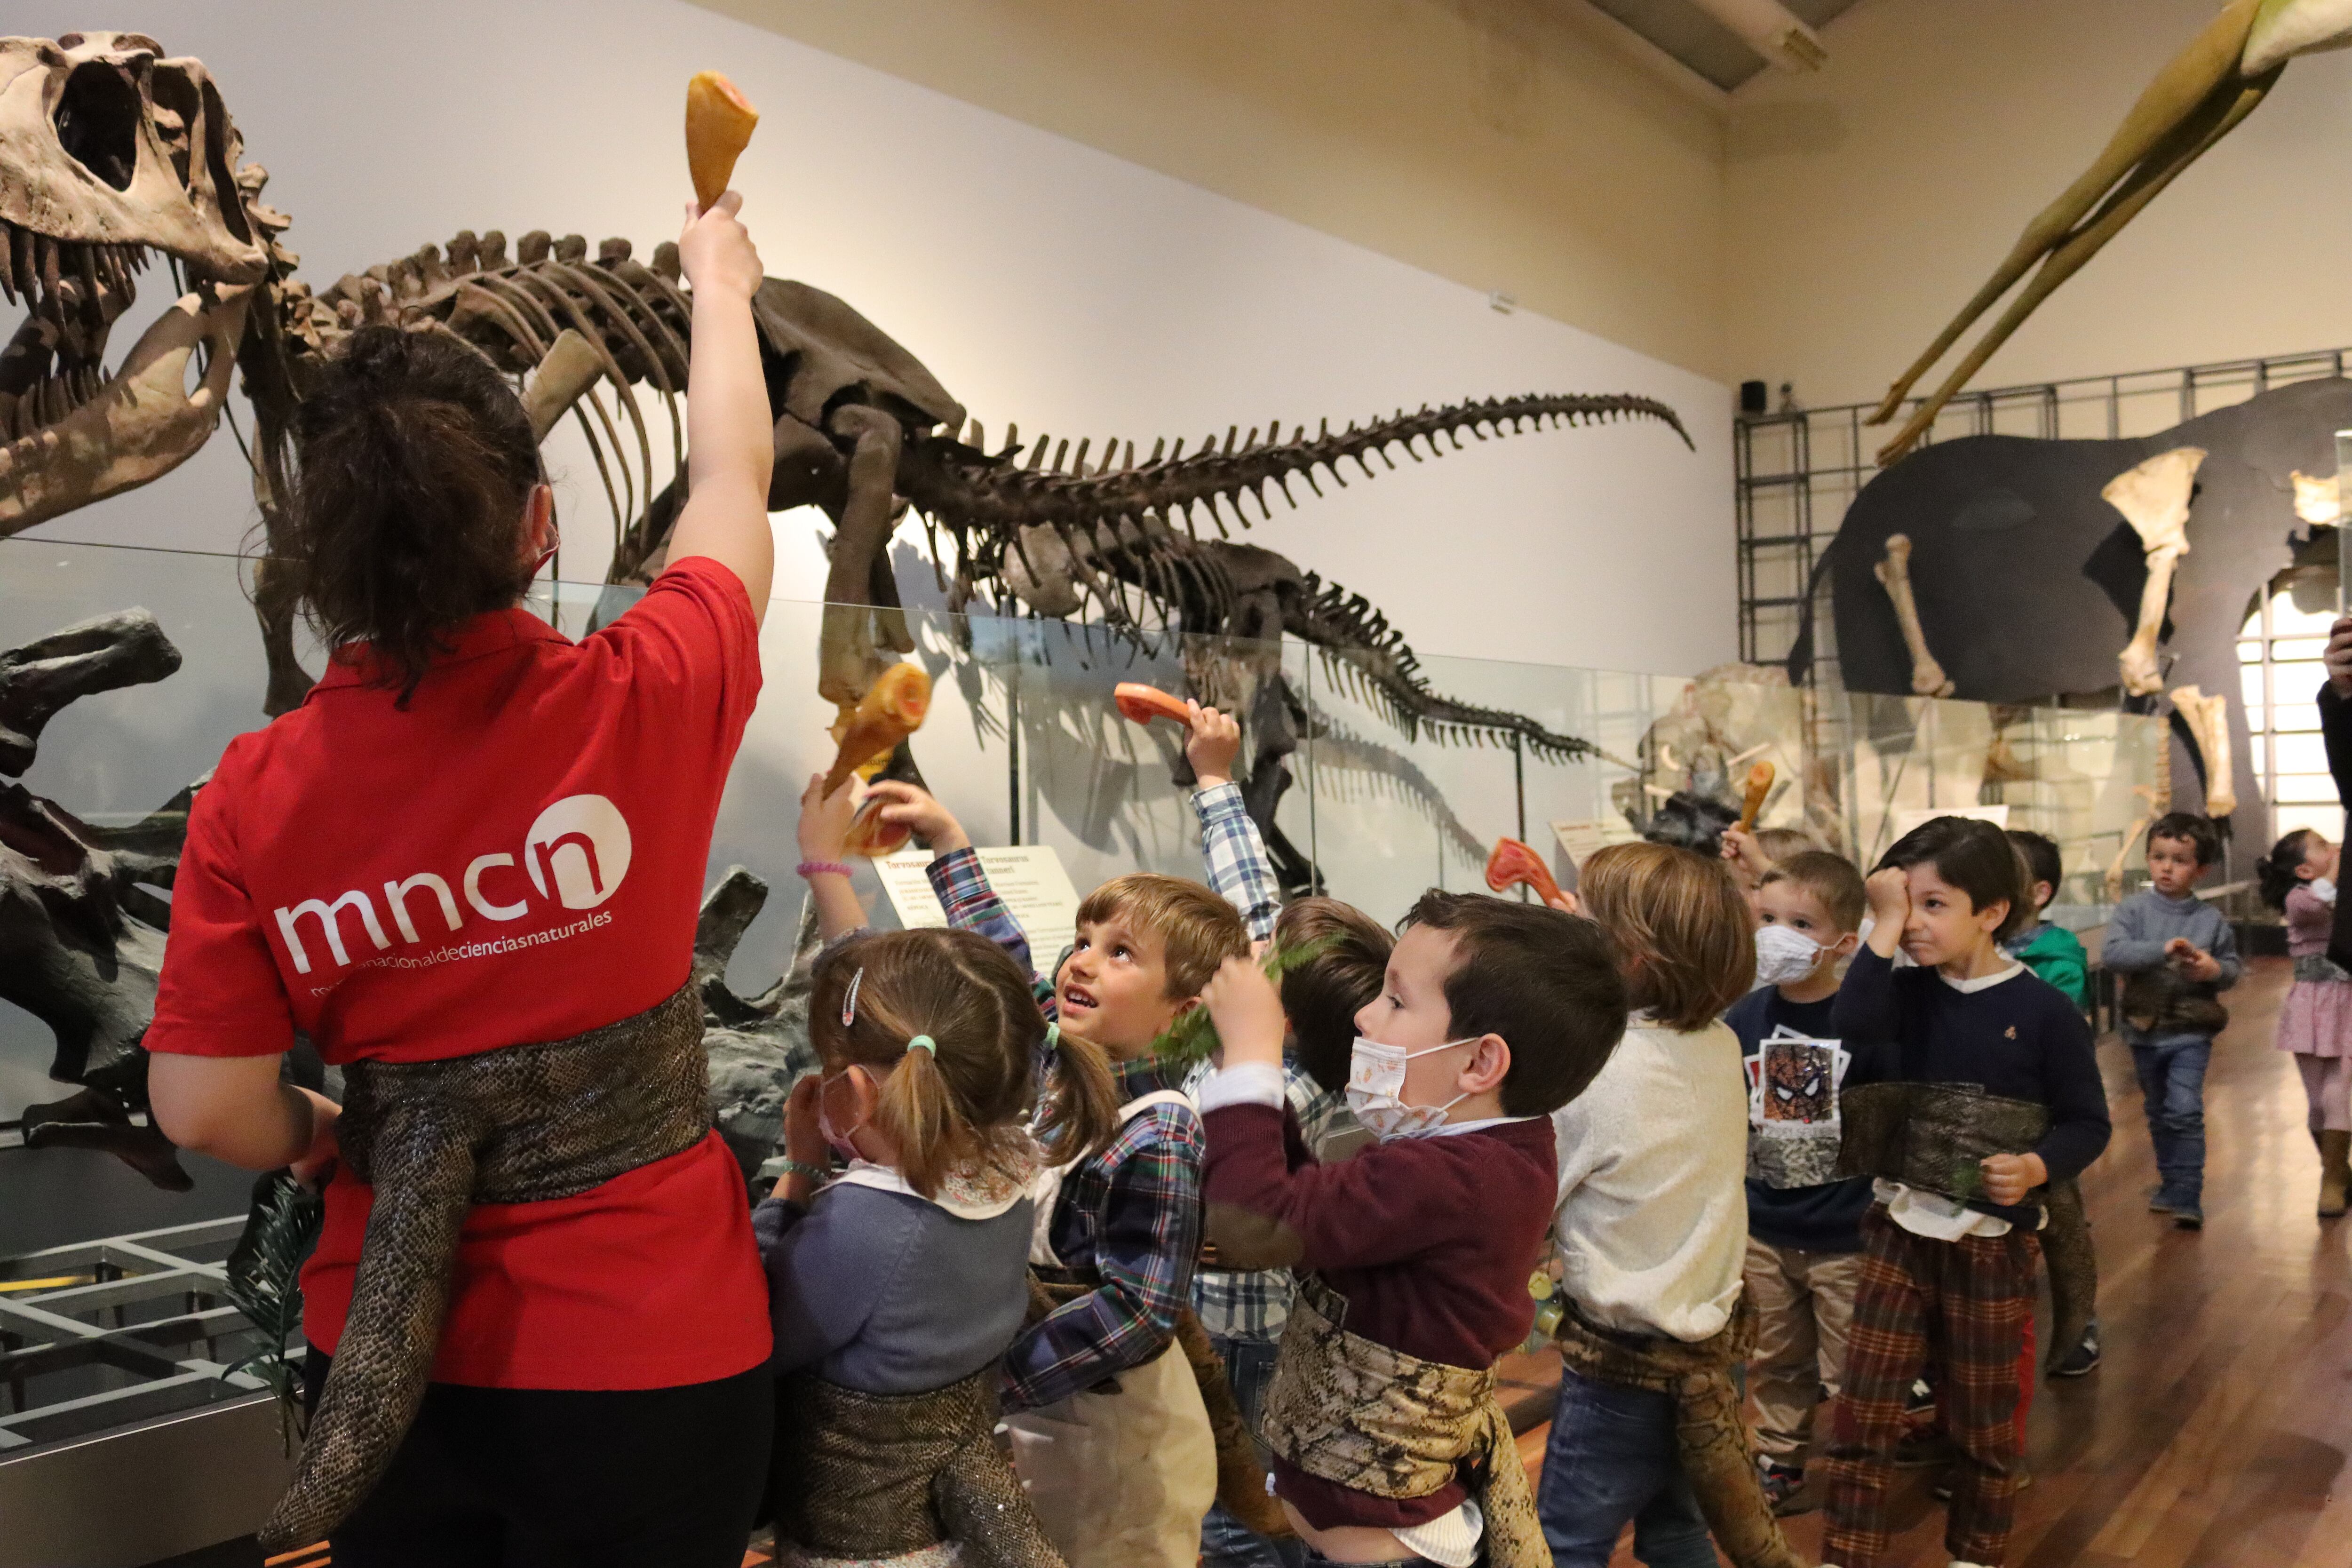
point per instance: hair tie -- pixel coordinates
(924, 1042)
(849, 1002)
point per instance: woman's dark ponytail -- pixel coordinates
(414, 460)
(2274, 873)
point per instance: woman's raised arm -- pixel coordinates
(730, 434)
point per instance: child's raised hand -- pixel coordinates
(803, 1133)
(1740, 848)
(1890, 895)
(1247, 1011)
(2009, 1177)
(920, 810)
(824, 819)
(1215, 742)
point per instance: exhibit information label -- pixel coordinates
(1029, 878)
(1581, 839)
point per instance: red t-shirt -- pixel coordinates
(517, 857)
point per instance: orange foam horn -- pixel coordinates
(718, 120)
(893, 707)
(1759, 784)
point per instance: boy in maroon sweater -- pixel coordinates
(1414, 1255)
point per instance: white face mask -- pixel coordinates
(1376, 1080)
(2323, 889)
(1784, 953)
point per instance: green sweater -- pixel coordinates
(2056, 954)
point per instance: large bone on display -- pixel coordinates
(1927, 677)
(2154, 498)
(2208, 721)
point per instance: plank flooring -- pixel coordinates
(2214, 1432)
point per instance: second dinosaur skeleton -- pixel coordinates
(2154, 499)
(1927, 677)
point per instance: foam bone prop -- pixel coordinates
(2208, 721)
(2154, 499)
(718, 120)
(1144, 704)
(1759, 784)
(1927, 677)
(1513, 864)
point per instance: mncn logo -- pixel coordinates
(576, 853)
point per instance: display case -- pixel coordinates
(1025, 744)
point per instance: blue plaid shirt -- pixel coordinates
(1130, 1213)
(1239, 867)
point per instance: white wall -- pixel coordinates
(1043, 281)
(1868, 203)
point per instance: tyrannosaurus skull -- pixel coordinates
(109, 157)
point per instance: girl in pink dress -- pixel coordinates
(2298, 875)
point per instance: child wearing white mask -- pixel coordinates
(1413, 1255)
(1804, 1229)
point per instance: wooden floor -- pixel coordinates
(2213, 1434)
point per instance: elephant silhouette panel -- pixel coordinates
(2029, 564)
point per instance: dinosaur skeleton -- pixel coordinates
(2208, 718)
(106, 129)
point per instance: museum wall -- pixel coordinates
(1531, 146)
(1867, 203)
(1044, 281)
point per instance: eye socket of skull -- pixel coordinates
(97, 122)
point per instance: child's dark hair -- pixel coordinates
(1544, 981)
(1686, 940)
(966, 1101)
(1831, 881)
(413, 459)
(2042, 861)
(2275, 873)
(1974, 857)
(1197, 929)
(1322, 996)
(2187, 827)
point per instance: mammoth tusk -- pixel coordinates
(1927, 677)
(2154, 499)
(2208, 721)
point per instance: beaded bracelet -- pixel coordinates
(812, 867)
(803, 1168)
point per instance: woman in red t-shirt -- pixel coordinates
(476, 835)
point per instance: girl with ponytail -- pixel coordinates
(897, 1282)
(2298, 878)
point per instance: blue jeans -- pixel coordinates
(1226, 1541)
(2172, 1084)
(1612, 1457)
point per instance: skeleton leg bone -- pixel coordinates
(1927, 677)
(848, 654)
(2208, 721)
(2154, 499)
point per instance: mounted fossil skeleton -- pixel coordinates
(106, 131)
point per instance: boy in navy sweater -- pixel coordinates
(1804, 1229)
(1969, 1033)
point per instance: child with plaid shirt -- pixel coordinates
(1109, 1431)
(1971, 1031)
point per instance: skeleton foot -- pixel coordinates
(1927, 677)
(2154, 499)
(2208, 721)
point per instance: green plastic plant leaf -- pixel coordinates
(1187, 1041)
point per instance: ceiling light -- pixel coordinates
(1771, 29)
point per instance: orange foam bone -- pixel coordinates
(718, 120)
(1759, 784)
(1513, 864)
(892, 709)
(1144, 704)
(870, 836)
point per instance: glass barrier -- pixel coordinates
(1400, 780)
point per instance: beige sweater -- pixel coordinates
(1652, 1223)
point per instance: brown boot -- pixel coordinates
(2335, 1172)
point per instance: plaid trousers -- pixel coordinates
(1963, 1306)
